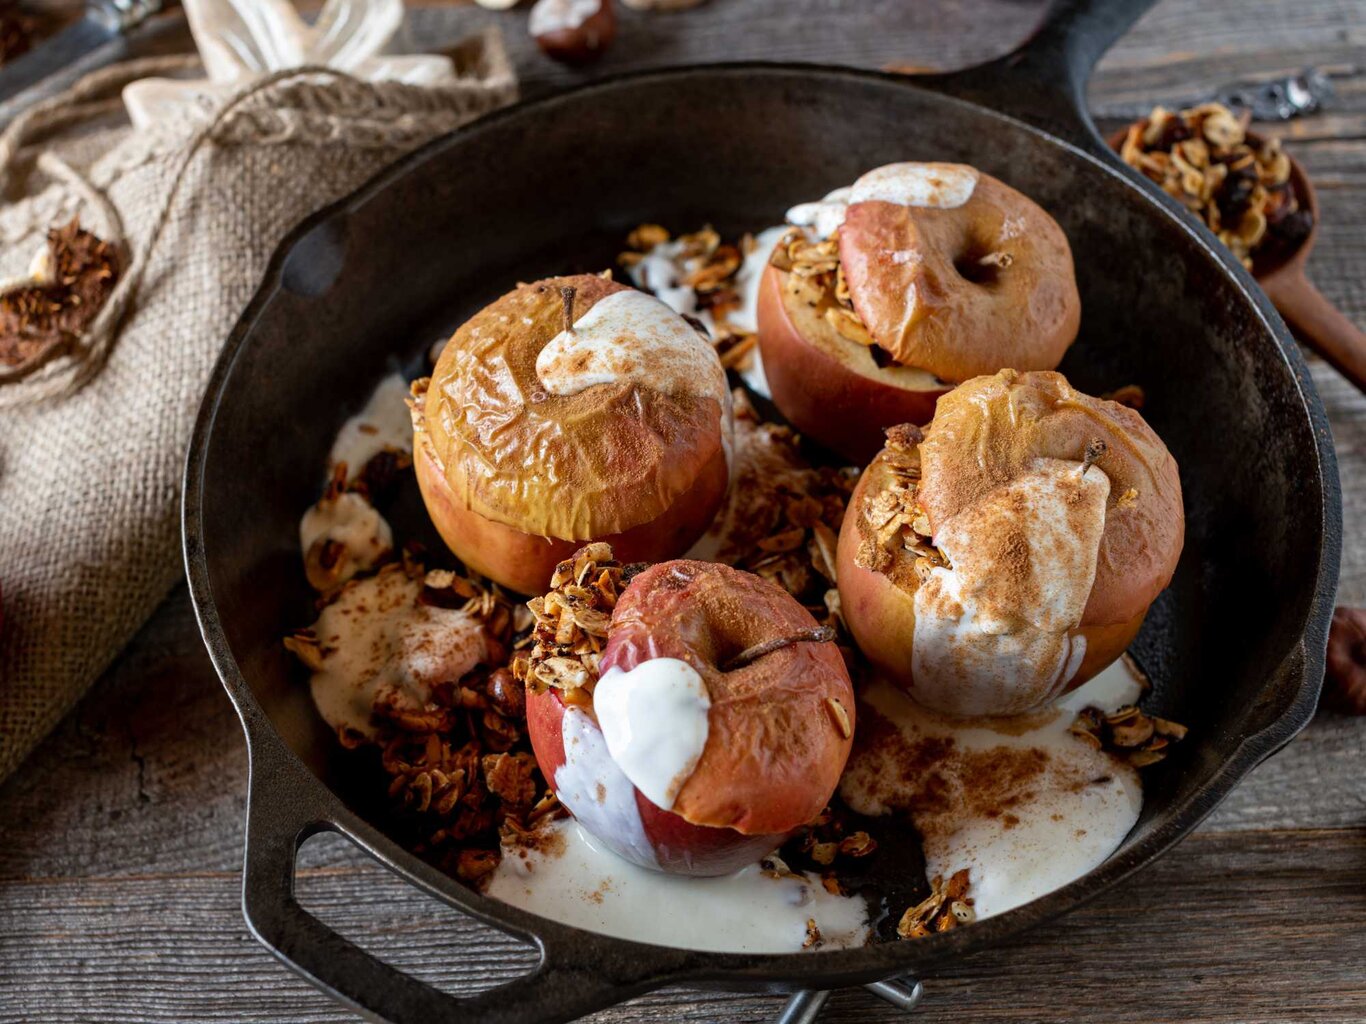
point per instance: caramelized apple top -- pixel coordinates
(992, 431)
(979, 279)
(582, 433)
(781, 726)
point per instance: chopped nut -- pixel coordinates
(1128, 733)
(1346, 677)
(947, 906)
(839, 716)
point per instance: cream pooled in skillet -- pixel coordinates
(1022, 803)
(382, 650)
(570, 878)
(384, 423)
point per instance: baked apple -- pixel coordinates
(571, 410)
(889, 292)
(1010, 551)
(720, 721)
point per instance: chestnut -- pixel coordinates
(573, 32)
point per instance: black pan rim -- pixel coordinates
(804, 970)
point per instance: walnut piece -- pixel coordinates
(1346, 677)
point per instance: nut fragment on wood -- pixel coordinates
(1346, 676)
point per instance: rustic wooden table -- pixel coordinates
(121, 838)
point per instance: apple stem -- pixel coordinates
(567, 293)
(1095, 448)
(819, 635)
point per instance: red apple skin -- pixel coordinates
(525, 562)
(680, 847)
(824, 398)
(881, 616)
(770, 766)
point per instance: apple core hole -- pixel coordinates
(981, 265)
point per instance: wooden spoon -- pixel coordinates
(1313, 319)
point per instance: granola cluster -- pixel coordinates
(460, 772)
(894, 529)
(799, 553)
(706, 266)
(571, 620)
(1241, 189)
(1128, 733)
(947, 906)
(817, 847)
(816, 276)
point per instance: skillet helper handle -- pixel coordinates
(558, 989)
(1043, 80)
(1320, 325)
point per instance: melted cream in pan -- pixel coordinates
(384, 423)
(351, 521)
(992, 632)
(1022, 803)
(661, 272)
(571, 878)
(383, 648)
(654, 720)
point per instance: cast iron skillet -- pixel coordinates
(1235, 646)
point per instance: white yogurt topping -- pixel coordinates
(595, 790)
(992, 632)
(633, 337)
(1069, 810)
(939, 186)
(579, 882)
(654, 719)
(382, 647)
(353, 523)
(824, 217)
(384, 423)
(560, 15)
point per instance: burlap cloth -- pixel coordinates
(92, 445)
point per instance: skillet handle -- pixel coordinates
(565, 984)
(1042, 82)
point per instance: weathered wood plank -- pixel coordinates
(1233, 927)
